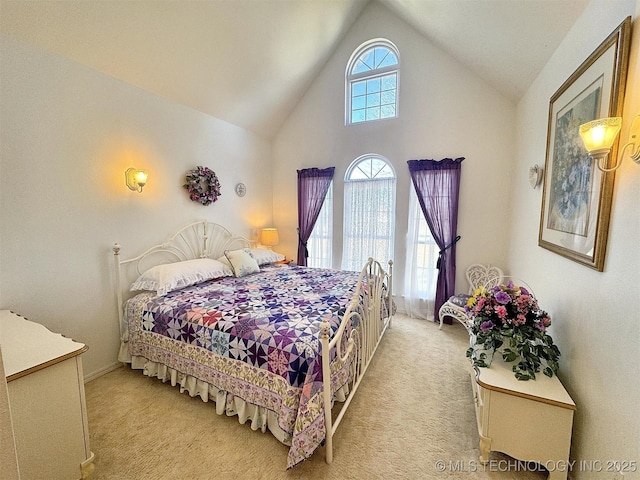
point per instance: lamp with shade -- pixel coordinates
(269, 237)
(598, 137)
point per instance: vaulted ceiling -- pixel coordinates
(249, 61)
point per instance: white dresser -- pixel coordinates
(46, 399)
(527, 420)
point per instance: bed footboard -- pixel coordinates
(370, 312)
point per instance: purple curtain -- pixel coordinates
(313, 185)
(437, 185)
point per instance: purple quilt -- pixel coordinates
(255, 337)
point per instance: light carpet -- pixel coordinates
(412, 418)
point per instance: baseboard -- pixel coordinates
(102, 371)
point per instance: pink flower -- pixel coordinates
(501, 311)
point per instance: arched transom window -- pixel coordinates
(372, 82)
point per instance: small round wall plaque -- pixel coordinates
(241, 190)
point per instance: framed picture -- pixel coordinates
(576, 199)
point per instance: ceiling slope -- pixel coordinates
(248, 62)
(506, 42)
(244, 61)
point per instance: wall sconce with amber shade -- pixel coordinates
(269, 237)
(598, 137)
(135, 179)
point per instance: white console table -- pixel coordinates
(528, 420)
(46, 399)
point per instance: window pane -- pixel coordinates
(380, 53)
(371, 168)
(385, 172)
(373, 113)
(388, 97)
(358, 102)
(389, 60)
(321, 239)
(388, 111)
(389, 82)
(358, 174)
(377, 165)
(373, 85)
(365, 167)
(360, 67)
(420, 269)
(358, 88)
(357, 116)
(367, 59)
(373, 100)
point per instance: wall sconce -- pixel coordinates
(135, 179)
(269, 237)
(598, 137)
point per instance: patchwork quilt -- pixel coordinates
(256, 337)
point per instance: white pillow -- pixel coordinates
(225, 261)
(264, 256)
(173, 276)
(242, 262)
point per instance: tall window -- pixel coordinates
(437, 186)
(313, 185)
(372, 82)
(369, 212)
(319, 243)
(421, 274)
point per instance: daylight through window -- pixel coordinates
(320, 241)
(372, 82)
(369, 212)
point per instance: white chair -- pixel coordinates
(477, 275)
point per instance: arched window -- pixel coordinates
(372, 82)
(369, 212)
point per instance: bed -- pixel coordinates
(282, 347)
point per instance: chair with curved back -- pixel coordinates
(477, 275)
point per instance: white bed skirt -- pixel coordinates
(261, 418)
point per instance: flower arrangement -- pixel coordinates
(509, 315)
(203, 185)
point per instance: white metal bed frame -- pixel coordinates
(209, 240)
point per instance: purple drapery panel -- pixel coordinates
(313, 185)
(437, 185)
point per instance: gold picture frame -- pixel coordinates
(576, 198)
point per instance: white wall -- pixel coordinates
(445, 111)
(595, 316)
(68, 133)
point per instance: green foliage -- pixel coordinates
(507, 319)
(528, 347)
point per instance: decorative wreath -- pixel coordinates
(203, 185)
